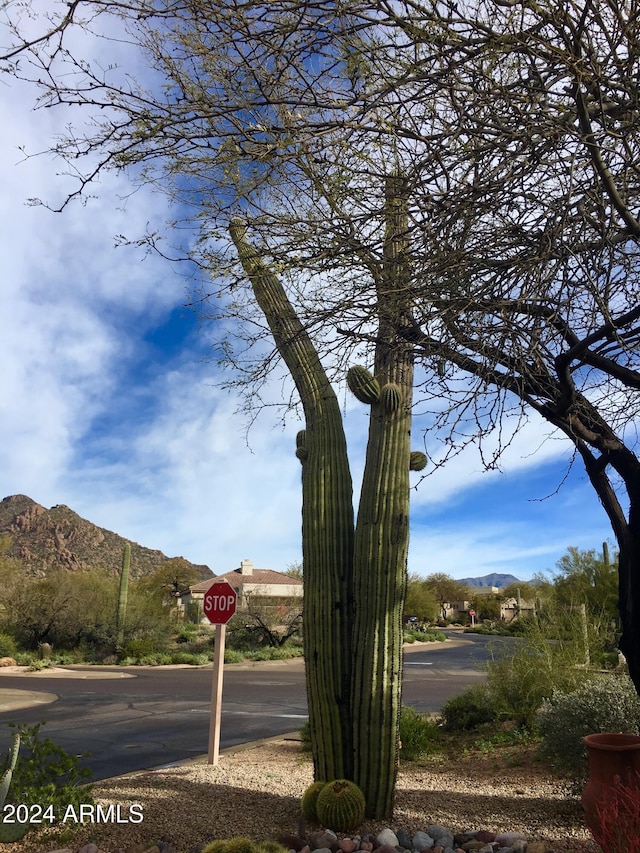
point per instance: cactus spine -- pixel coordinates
(353, 655)
(122, 596)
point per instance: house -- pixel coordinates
(264, 587)
(510, 608)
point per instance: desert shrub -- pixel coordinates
(521, 681)
(607, 703)
(233, 656)
(271, 653)
(47, 775)
(187, 633)
(419, 734)
(305, 736)
(38, 665)
(423, 636)
(25, 658)
(8, 646)
(190, 658)
(470, 709)
(140, 648)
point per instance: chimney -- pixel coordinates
(246, 567)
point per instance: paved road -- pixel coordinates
(157, 716)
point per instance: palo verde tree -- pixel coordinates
(513, 128)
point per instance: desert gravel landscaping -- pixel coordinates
(256, 792)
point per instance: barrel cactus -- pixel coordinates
(341, 805)
(363, 385)
(309, 801)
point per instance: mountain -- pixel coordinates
(45, 539)
(492, 580)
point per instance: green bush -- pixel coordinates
(8, 647)
(47, 775)
(411, 635)
(189, 658)
(187, 633)
(470, 709)
(305, 736)
(419, 734)
(608, 703)
(520, 682)
(143, 647)
(273, 653)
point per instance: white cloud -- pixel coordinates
(161, 457)
(65, 304)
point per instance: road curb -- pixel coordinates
(13, 699)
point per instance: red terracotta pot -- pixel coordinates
(613, 758)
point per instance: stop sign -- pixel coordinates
(220, 602)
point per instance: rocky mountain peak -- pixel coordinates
(58, 538)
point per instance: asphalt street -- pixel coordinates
(147, 717)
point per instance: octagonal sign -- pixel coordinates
(220, 602)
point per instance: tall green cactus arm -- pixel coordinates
(5, 782)
(327, 522)
(122, 595)
(382, 529)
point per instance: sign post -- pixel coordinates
(219, 605)
(472, 613)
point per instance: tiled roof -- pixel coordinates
(258, 576)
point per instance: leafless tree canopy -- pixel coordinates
(515, 124)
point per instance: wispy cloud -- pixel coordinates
(106, 405)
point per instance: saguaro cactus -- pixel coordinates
(353, 651)
(122, 596)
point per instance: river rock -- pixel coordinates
(387, 837)
(422, 841)
(508, 839)
(442, 836)
(322, 838)
(403, 839)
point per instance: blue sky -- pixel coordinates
(109, 405)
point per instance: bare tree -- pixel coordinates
(514, 129)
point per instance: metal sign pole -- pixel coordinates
(216, 695)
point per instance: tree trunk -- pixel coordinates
(627, 533)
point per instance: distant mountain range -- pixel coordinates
(58, 538)
(492, 580)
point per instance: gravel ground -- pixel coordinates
(256, 792)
